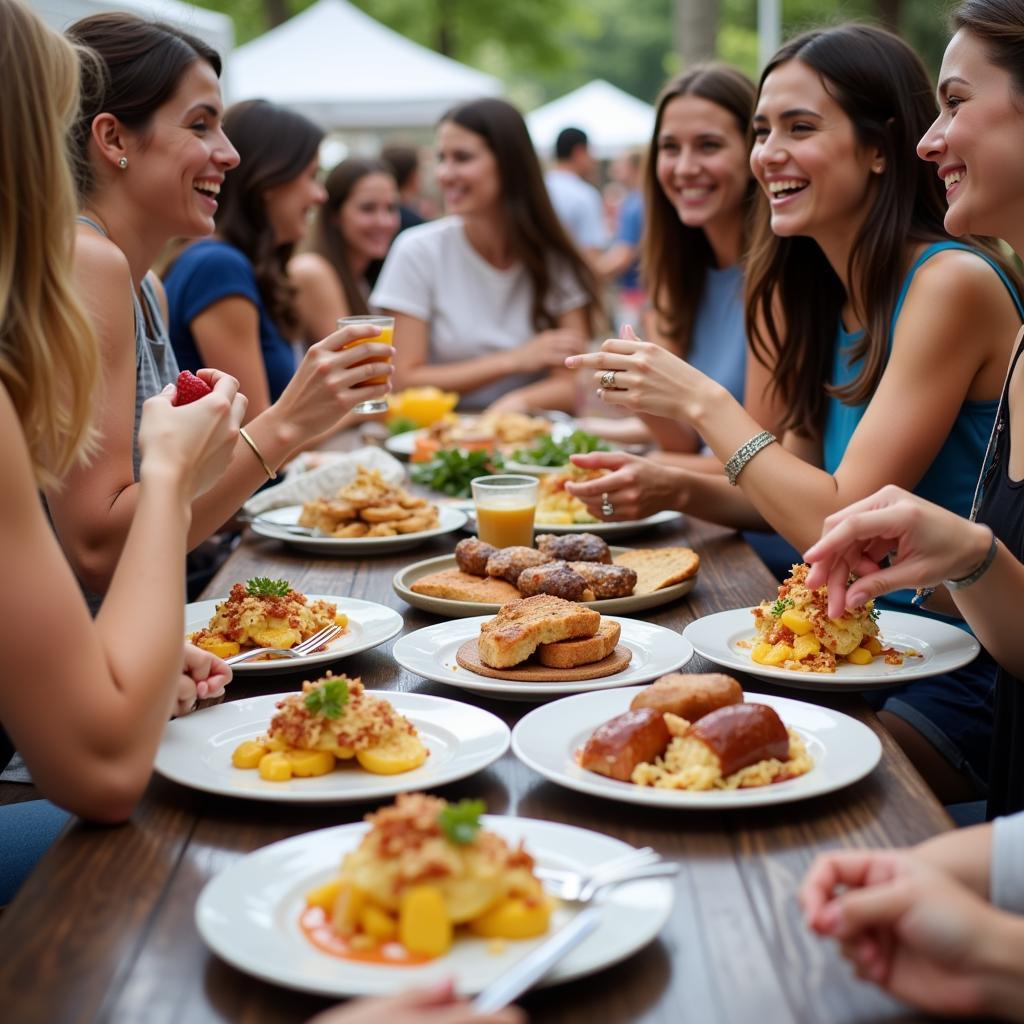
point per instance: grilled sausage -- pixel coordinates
(623, 742)
(741, 735)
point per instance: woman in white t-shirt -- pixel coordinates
(489, 300)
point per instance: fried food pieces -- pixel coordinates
(606, 580)
(556, 578)
(369, 506)
(471, 555)
(575, 547)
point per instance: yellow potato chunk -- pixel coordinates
(248, 754)
(872, 644)
(513, 919)
(343, 753)
(275, 767)
(796, 621)
(341, 619)
(778, 654)
(804, 646)
(307, 763)
(406, 753)
(378, 923)
(220, 648)
(323, 896)
(859, 656)
(423, 923)
(760, 651)
(276, 743)
(348, 908)
(276, 636)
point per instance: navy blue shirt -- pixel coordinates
(202, 275)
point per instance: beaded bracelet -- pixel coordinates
(271, 475)
(745, 453)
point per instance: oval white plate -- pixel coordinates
(843, 750)
(369, 624)
(196, 751)
(404, 579)
(942, 647)
(430, 652)
(249, 914)
(275, 523)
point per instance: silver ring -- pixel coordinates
(608, 380)
(607, 508)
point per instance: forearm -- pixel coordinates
(463, 376)
(965, 853)
(708, 496)
(671, 435)
(555, 391)
(1001, 959)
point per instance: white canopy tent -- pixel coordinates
(613, 120)
(213, 28)
(344, 70)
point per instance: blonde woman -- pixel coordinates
(84, 701)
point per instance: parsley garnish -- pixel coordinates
(549, 452)
(328, 698)
(451, 470)
(874, 613)
(781, 605)
(262, 586)
(460, 822)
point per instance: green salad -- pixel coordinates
(548, 452)
(451, 470)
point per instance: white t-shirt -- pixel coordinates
(579, 208)
(470, 307)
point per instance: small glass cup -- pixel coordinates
(386, 337)
(505, 507)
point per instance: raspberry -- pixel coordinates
(190, 387)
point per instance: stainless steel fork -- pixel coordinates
(582, 887)
(301, 650)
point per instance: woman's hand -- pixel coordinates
(195, 441)
(549, 349)
(925, 544)
(435, 1005)
(913, 930)
(635, 488)
(330, 381)
(203, 675)
(648, 378)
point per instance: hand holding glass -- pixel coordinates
(505, 506)
(386, 337)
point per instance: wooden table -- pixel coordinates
(103, 930)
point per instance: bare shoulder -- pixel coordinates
(955, 276)
(310, 268)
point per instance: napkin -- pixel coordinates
(325, 480)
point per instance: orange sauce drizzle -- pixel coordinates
(317, 928)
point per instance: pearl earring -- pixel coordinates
(123, 163)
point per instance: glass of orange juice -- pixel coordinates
(504, 509)
(386, 337)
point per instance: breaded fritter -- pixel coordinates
(471, 555)
(575, 547)
(508, 563)
(606, 580)
(555, 578)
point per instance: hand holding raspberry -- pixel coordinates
(189, 388)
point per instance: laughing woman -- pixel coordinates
(852, 247)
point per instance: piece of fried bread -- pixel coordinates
(657, 568)
(570, 653)
(520, 627)
(461, 586)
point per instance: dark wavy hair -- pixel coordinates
(536, 234)
(275, 146)
(675, 258)
(326, 238)
(139, 66)
(883, 88)
(999, 24)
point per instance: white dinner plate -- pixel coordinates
(275, 523)
(196, 751)
(405, 578)
(942, 647)
(612, 529)
(404, 444)
(430, 652)
(843, 751)
(369, 624)
(249, 914)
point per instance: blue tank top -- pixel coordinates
(951, 478)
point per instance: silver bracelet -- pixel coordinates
(745, 453)
(983, 567)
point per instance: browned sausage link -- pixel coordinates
(691, 696)
(743, 734)
(471, 555)
(625, 741)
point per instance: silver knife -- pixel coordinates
(521, 976)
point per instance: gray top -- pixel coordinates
(1008, 863)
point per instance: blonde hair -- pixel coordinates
(49, 357)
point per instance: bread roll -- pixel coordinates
(623, 742)
(741, 735)
(690, 696)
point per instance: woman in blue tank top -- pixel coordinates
(850, 239)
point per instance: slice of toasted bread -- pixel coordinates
(461, 586)
(657, 568)
(520, 627)
(570, 653)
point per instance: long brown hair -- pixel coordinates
(49, 358)
(326, 238)
(536, 235)
(675, 258)
(999, 24)
(883, 88)
(275, 146)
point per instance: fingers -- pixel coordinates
(346, 335)
(847, 868)
(600, 460)
(602, 360)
